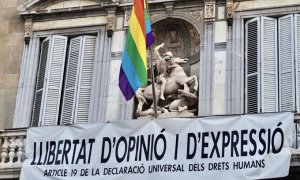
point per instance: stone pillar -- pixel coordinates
(100, 78)
(25, 96)
(229, 66)
(117, 107)
(207, 63)
(220, 61)
(235, 67)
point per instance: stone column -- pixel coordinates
(25, 96)
(220, 62)
(235, 62)
(207, 63)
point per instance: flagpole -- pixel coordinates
(153, 83)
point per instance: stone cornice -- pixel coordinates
(34, 7)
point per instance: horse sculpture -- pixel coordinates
(176, 79)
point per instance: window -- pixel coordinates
(64, 80)
(272, 64)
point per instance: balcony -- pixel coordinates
(13, 142)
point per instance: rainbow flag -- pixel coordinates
(133, 72)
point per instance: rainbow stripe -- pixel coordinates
(133, 72)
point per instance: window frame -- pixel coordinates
(30, 63)
(286, 62)
(236, 55)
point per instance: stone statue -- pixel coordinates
(185, 101)
(172, 87)
(163, 65)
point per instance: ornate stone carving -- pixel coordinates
(169, 8)
(127, 11)
(210, 11)
(229, 11)
(181, 37)
(127, 20)
(185, 100)
(173, 36)
(28, 30)
(195, 14)
(174, 95)
(111, 18)
(154, 15)
(194, 38)
(110, 22)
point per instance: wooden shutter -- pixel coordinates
(286, 63)
(49, 82)
(252, 65)
(40, 86)
(55, 70)
(268, 81)
(85, 79)
(77, 91)
(70, 90)
(297, 58)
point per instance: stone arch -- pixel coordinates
(180, 15)
(192, 67)
(164, 26)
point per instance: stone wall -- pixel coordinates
(11, 47)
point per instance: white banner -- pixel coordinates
(231, 147)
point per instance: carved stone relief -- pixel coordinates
(169, 8)
(110, 22)
(127, 19)
(154, 15)
(195, 14)
(28, 30)
(176, 93)
(194, 39)
(229, 8)
(229, 11)
(111, 18)
(180, 37)
(174, 38)
(210, 11)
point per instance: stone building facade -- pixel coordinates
(12, 42)
(213, 34)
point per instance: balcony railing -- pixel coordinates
(12, 152)
(13, 142)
